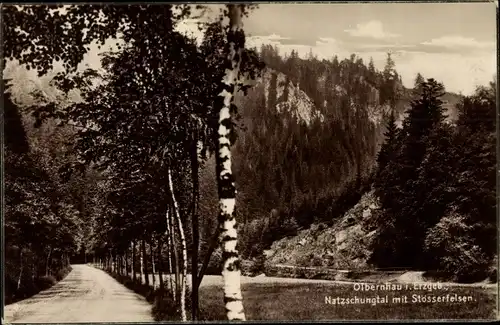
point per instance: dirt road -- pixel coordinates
(87, 294)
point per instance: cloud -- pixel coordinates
(273, 39)
(457, 42)
(460, 72)
(257, 41)
(371, 29)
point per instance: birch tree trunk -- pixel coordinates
(175, 252)
(183, 247)
(21, 272)
(225, 180)
(169, 255)
(195, 229)
(142, 263)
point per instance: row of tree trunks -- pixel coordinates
(29, 265)
(117, 262)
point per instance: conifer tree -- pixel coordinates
(388, 148)
(401, 194)
(419, 80)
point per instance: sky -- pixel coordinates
(454, 43)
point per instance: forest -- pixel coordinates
(180, 158)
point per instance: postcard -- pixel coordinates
(262, 162)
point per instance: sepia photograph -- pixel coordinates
(293, 161)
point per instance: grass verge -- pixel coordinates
(164, 306)
(319, 302)
(325, 301)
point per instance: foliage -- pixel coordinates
(437, 189)
(455, 251)
(42, 225)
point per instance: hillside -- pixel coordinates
(345, 245)
(319, 131)
(307, 147)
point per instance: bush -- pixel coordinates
(164, 307)
(289, 227)
(62, 273)
(45, 282)
(454, 251)
(253, 267)
(139, 288)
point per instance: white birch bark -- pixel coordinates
(169, 255)
(183, 248)
(141, 264)
(231, 265)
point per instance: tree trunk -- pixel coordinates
(145, 261)
(169, 253)
(134, 277)
(126, 263)
(33, 265)
(176, 258)
(195, 230)
(213, 244)
(141, 261)
(151, 249)
(225, 180)
(47, 265)
(120, 264)
(183, 247)
(117, 259)
(20, 272)
(160, 263)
